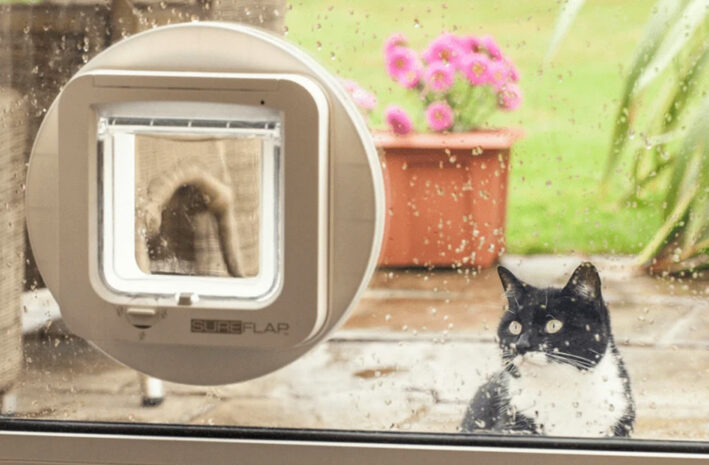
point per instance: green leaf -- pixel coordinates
(684, 89)
(664, 13)
(669, 106)
(691, 158)
(666, 231)
(702, 246)
(566, 17)
(693, 15)
(686, 192)
(696, 225)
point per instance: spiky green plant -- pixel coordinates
(660, 140)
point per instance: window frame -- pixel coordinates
(48, 442)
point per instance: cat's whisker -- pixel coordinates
(570, 361)
(578, 367)
(509, 364)
(573, 362)
(578, 357)
(570, 357)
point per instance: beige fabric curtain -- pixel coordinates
(13, 133)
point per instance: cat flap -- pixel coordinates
(189, 211)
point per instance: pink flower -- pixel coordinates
(512, 71)
(439, 76)
(411, 78)
(445, 48)
(364, 99)
(395, 40)
(491, 46)
(498, 74)
(403, 66)
(439, 116)
(509, 97)
(349, 85)
(398, 120)
(469, 44)
(475, 67)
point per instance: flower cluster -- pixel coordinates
(365, 101)
(460, 79)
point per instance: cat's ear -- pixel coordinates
(585, 282)
(510, 283)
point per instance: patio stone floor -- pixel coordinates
(409, 359)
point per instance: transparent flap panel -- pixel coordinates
(189, 202)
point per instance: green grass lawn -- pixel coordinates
(555, 205)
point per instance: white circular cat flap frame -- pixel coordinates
(320, 191)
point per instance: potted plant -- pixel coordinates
(447, 187)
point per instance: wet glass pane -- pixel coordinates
(552, 157)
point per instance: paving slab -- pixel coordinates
(644, 310)
(404, 385)
(410, 357)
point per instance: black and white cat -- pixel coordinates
(562, 374)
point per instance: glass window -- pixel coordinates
(561, 142)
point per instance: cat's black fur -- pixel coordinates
(585, 336)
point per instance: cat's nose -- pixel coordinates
(523, 345)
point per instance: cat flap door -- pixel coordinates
(190, 203)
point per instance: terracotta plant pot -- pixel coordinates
(446, 197)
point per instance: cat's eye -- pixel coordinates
(553, 326)
(515, 328)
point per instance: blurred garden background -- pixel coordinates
(556, 204)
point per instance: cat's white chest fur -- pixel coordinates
(565, 401)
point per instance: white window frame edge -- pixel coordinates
(50, 448)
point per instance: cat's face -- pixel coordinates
(547, 326)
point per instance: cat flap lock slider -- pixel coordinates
(141, 317)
